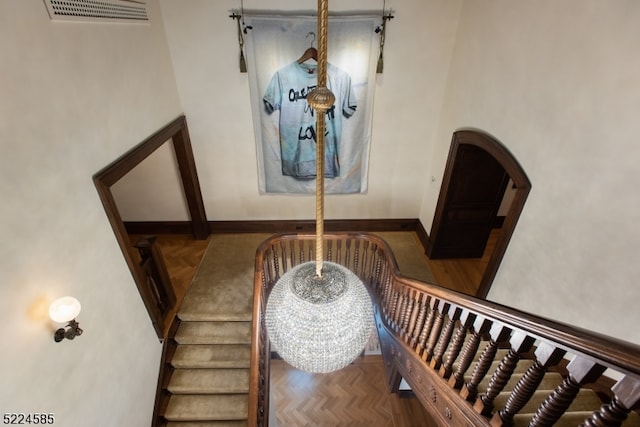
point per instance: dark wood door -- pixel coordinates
(472, 197)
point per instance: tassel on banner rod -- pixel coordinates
(382, 30)
(243, 62)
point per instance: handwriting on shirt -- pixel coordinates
(308, 132)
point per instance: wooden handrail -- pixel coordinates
(444, 344)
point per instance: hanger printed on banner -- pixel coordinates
(311, 52)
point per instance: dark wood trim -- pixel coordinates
(423, 236)
(281, 226)
(520, 182)
(158, 227)
(176, 131)
(307, 226)
(169, 347)
(190, 182)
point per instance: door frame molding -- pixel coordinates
(176, 131)
(520, 180)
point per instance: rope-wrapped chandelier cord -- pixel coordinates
(321, 99)
(319, 322)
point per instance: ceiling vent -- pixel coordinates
(97, 10)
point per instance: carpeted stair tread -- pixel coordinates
(207, 407)
(209, 381)
(214, 333)
(212, 356)
(409, 254)
(222, 289)
(207, 424)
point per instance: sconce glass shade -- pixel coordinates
(64, 309)
(319, 324)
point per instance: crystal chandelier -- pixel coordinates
(319, 315)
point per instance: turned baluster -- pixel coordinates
(546, 355)
(387, 295)
(399, 314)
(292, 252)
(407, 309)
(385, 284)
(356, 256)
(436, 330)
(498, 334)
(391, 301)
(267, 272)
(300, 252)
(401, 304)
(581, 371)
(480, 327)
(421, 306)
(428, 324)
(339, 259)
(626, 398)
(414, 309)
(380, 256)
(393, 305)
(347, 253)
(276, 265)
(363, 257)
(377, 277)
(466, 322)
(445, 337)
(297, 252)
(282, 256)
(329, 251)
(520, 343)
(311, 247)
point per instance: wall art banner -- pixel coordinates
(285, 126)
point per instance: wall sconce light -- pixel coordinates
(65, 310)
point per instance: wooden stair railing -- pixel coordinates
(156, 281)
(469, 361)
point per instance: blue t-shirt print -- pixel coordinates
(287, 92)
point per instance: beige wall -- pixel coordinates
(73, 97)
(557, 83)
(215, 96)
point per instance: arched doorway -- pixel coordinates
(476, 175)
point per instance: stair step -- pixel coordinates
(212, 356)
(214, 333)
(207, 424)
(209, 381)
(216, 407)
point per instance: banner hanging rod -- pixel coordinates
(242, 28)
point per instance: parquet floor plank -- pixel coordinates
(353, 396)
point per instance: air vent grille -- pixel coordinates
(97, 10)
